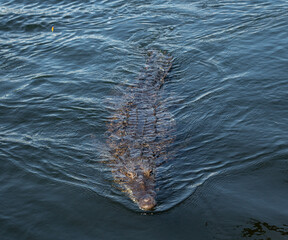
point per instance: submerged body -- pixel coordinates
(139, 133)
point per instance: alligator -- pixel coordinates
(140, 132)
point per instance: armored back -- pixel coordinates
(157, 66)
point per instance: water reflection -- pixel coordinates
(258, 230)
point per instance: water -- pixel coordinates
(227, 93)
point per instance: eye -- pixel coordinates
(131, 175)
(149, 173)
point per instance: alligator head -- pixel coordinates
(139, 183)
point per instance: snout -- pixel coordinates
(147, 203)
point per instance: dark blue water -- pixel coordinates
(227, 92)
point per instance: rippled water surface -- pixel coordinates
(227, 92)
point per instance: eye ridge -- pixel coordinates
(131, 175)
(149, 173)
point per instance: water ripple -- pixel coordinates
(227, 91)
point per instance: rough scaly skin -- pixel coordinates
(139, 133)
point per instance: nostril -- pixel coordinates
(147, 203)
(146, 199)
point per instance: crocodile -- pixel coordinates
(140, 132)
